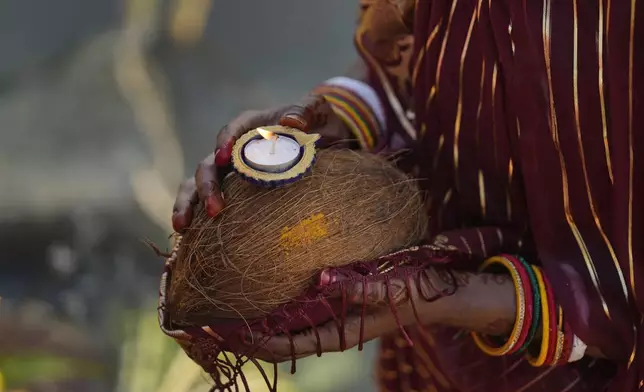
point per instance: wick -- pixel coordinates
(273, 145)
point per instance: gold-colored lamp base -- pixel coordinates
(283, 175)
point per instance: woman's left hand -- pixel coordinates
(388, 306)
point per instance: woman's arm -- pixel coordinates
(485, 303)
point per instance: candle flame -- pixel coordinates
(266, 134)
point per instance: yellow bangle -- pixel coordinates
(545, 317)
(520, 314)
(560, 338)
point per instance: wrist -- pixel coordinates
(483, 303)
(357, 106)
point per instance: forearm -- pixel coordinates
(485, 303)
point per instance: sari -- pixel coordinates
(521, 115)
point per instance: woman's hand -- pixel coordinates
(311, 114)
(481, 302)
(388, 305)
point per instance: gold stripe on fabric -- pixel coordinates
(482, 194)
(536, 379)
(439, 149)
(631, 358)
(582, 155)
(459, 105)
(572, 384)
(480, 107)
(511, 40)
(441, 55)
(494, 76)
(508, 197)
(403, 370)
(600, 82)
(510, 170)
(446, 199)
(546, 26)
(631, 267)
(424, 50)
(423, 372)
(483, 247)
(631, 52)
(425, 360)
(467, 245)
(608, 2)
(426, 336)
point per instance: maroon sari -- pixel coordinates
(525, 115)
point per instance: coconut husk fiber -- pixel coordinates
(267, 244)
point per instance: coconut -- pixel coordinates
(265, 247)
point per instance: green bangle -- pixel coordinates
(536, 312)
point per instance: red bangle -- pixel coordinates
(529, 303)
(569, 338)
(552, 308)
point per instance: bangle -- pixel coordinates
(552, 342)
(561, 338)
(517, 331)
(356, 114)
(545, 316)
(568, 343)
(528, 289)
(365, 92)
(536, 313)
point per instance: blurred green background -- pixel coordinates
(105, 106)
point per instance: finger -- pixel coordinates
(313, 111)
(241, 124)
(224, 150)
(207, 185)
(371, 292)
(182, 211)
(282, 348)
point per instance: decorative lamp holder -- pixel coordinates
(274, 156)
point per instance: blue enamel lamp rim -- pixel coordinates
(297, 170)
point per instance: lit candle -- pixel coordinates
(272, 153)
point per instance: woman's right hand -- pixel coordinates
(312, 114)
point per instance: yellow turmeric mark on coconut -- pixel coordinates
(305, 232)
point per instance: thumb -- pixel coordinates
(313, 111)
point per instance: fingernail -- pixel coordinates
(325, 278)
(294, 121)
(214, 205)
(178, 222)
(223, 154)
